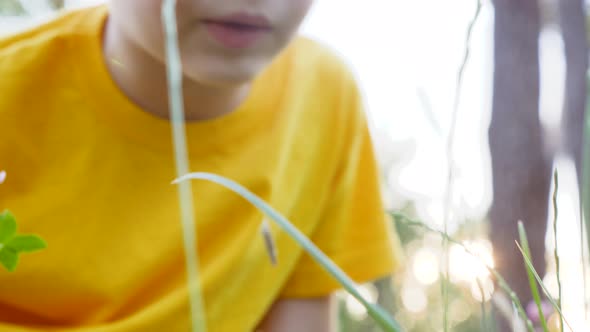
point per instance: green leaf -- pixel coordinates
(8, 258)
(7, 226)
(26, 243)
(524, 242)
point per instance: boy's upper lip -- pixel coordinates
(246, 19)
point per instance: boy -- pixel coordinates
(87, 149)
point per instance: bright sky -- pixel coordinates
(406, 55)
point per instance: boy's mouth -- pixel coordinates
(237, 31)
(242, 20)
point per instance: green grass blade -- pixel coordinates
(585, 199)
(174, 72)
(532, 282)
(449, 154)
(484, 324)
(555, 253)
(583, 258)
(543, 287)
(386, 322)
(499, 279)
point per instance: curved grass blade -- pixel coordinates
(540, 281)
(484, 325)
(386, 322)
(532, 282)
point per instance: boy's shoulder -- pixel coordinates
(318, 60)
(47, 41)
(322, 76)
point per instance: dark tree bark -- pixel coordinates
(57, 4)
(573, 29)
(520, 168)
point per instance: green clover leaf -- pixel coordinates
(8, 258)
(26, 243)
(7, 226)
(11, 244)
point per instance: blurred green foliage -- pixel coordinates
(14, 7)
(465, 311)
(11, 7)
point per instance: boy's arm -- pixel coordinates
(296, 315)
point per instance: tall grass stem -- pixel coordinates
(585, 199)
(450, 165)
(555, 250)
(484, 324)
(174, 72)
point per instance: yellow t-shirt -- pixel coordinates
(91, 173)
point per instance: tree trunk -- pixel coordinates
(573, 30)
(57, 4)
(520, 169)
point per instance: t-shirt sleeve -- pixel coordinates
(354, 231)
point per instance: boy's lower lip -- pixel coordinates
(234, 35)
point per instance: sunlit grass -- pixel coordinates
(532, 282)
(555, 250)
(499, 279)
(531, 268)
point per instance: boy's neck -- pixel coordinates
(143, 79)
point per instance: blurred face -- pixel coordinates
(222, 42)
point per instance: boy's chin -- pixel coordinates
(227, 77)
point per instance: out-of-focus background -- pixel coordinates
(407, 55)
